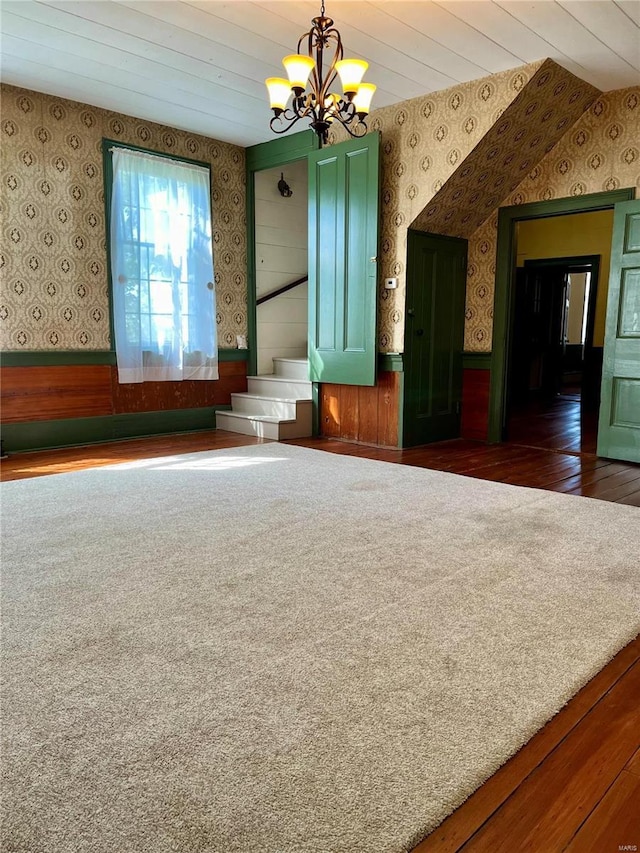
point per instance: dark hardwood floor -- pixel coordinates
(575, 786)
(550, 447)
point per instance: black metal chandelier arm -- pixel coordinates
(356, 130)
(288, 116)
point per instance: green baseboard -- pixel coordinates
(54, 358)
(476, 360)
(394, 361)
(67, 432)
(391, 361)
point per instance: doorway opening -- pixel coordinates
(280, 251)
(553, 393)
(566, 237)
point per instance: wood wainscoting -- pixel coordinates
(475, 403)
(188, 394)
(49, 392)
(372, 415)
(52, 405)
(366, 414)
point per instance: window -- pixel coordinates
(164, 315)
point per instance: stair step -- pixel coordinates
(269, 385)
(264, 426)
(276, 405)
(291, 368)
(254, 404)
(257, 416)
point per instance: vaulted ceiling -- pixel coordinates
(200, 66)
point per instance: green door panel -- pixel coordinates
(434, 337)
(343, 244)
(619, 423)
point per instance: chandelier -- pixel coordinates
(319, 103)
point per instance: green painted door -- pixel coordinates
(619, 424)
(343, 245)
(434, 337)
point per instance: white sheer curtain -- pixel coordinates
(162, 269)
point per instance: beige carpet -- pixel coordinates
(275, 650)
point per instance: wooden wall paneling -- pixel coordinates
(475, 403)
(55, 392)
(368, 414)
(233, 380)
(368, 406)
(190, 394)
(350, 412)
(388, 403)
(330, 410)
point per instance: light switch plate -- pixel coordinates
(390, 283)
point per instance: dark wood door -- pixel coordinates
(434, 337)
(538, 333)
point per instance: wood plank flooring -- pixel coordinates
(559, 423)
(571, 788)
(575, 786)
(558, 471)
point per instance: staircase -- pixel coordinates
(276, 405)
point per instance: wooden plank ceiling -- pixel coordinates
(200, 66)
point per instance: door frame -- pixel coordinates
(504, 302)
(266, 155)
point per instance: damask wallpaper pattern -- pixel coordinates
(474, 134)
(600, 152)
(53, 256)
(53, 259)
(528, 129)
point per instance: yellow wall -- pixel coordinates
(567, 236)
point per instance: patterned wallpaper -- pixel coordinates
(424, 141)
(53, 260)
(527, 130)
(54, 276)
(600, 152)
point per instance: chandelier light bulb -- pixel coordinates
(298, 68)
(362, 99)
(351, 72)
(279, 92)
